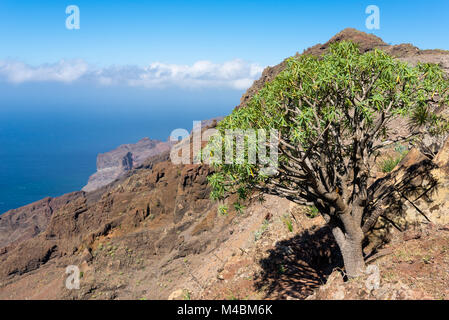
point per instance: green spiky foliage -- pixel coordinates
(332, 115)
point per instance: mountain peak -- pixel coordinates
(356, 36)
(366, 41)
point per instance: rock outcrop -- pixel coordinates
(114, 164)
(26, 222)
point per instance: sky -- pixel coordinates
(188, 45)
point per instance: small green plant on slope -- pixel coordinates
(187, 295)
(311, 212)
(331, 114)
(223, 210)
(262, 229)
(388, 164)
(239, 207)
(281, 269)
(288, 222)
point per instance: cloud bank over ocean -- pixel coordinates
(235, 74)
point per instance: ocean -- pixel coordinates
(47, 153)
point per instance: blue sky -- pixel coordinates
(183, 32)
(219, 45)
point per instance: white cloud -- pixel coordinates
(63, 71)
(235, 74)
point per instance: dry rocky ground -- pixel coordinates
(154, 234)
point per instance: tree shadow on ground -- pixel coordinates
(299, 265)
(410, 188)
(408, 184)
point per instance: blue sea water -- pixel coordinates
(44, 152)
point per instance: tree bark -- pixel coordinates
(350, 244)
(351, 251)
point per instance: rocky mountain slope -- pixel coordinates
(154, 234)
(26, 222)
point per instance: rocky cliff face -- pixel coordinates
(114, 164)
(26, 222)
(153, 232)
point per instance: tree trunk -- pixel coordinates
(353, 258)
(350, 244)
